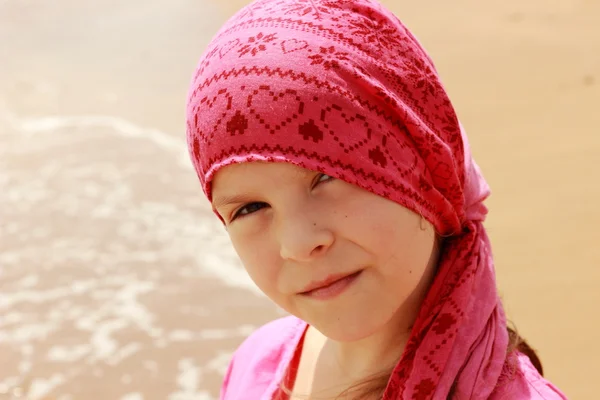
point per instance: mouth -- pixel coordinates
(330, 287)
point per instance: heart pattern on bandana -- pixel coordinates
(315, 126)
(292, 45)
(232, 44)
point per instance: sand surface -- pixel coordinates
(116, 281)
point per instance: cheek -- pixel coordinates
(261, 260)
(407, 270)
(393, 235)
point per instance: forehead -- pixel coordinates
(248, 175)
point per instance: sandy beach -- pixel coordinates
(116, 280)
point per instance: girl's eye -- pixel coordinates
(323, 178)
(249, 209)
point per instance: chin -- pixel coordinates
(351, 327)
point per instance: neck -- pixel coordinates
(371, 355)
(337, 366)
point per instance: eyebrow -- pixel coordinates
(222, 201)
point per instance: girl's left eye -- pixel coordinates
(323, 178)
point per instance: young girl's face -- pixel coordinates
(296, 230)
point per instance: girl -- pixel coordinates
(326, 143)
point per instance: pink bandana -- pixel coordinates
(344, 88)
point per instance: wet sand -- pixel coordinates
(116, 281)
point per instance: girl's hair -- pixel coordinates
(374, 386)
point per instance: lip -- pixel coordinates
(330, 286)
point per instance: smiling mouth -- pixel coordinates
(330, 287)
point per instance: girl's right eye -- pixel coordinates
(248, 209)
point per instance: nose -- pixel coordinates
(302, 239)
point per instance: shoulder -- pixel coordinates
(269, 340)
(257, 362)
(525, 383)
(540, 387)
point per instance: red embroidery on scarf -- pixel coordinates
(443, 322)
(424, 390)
(237, 124)
(443, 170)
(311, 131)
(292, 45)
(256, 44)
(377, 156)
(302, 8)
(228, 47)
(329, 57)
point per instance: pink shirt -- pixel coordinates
(259, 365)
